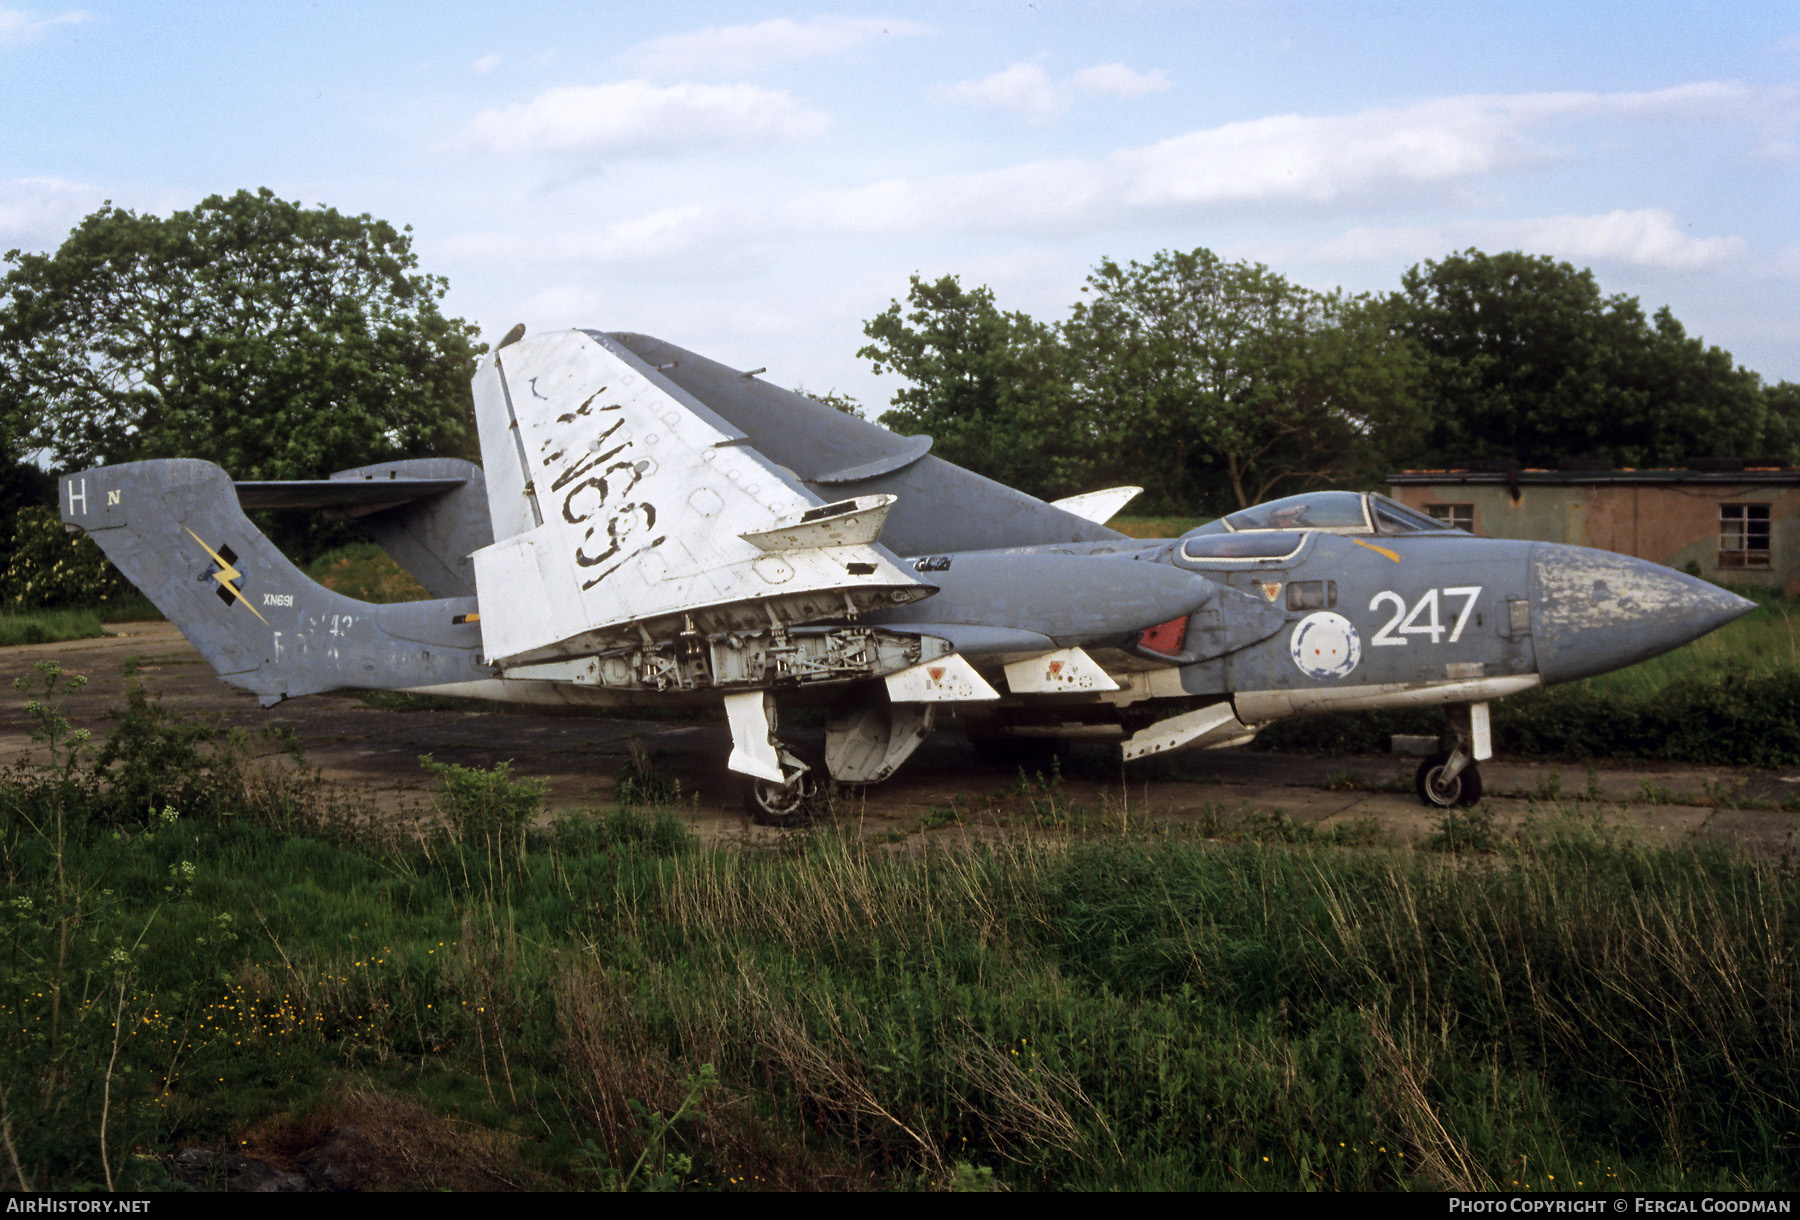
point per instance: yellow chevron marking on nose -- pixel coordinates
(1379, 550)
(225, 575)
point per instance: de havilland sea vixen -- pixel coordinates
(647, 524)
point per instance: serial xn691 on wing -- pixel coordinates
(648, 525)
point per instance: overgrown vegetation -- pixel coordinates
(45, 566)
(49, 627)
(366, 572)
(198, 950)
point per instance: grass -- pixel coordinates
(48, 626)
(191, 955)
(364, 571)
(1156, 527)
(72, 622)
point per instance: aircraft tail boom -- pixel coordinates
(177, 532)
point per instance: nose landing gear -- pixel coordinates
(1450, 777)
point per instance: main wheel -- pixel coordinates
(797, 798)
(1433, 789)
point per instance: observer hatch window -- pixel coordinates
(1743, 535)
(1456, 516)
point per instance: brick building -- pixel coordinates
(1729, 521)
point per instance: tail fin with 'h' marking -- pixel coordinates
(176, 531)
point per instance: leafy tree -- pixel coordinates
(1781, 421)
(846, 403)
(42, 564)
(277, 341)
(1222, 384)
(990, 387)
(1530, 363)
(1692, 400)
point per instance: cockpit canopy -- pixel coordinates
(1330, 512)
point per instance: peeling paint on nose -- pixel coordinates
(1595, 611)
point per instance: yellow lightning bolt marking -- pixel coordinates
(225, 575)
(1379, 550)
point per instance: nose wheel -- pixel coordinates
(801, 793)
(1449, 777)
(1441, 786)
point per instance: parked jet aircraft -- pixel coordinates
(648, 525)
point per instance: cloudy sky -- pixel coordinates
(754, 180)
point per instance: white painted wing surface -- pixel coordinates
(1098, 506)
(619, 511)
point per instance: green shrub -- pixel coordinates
(48, 566)
(642, 781)
(487, 811)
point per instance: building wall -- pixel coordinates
(1672, 523)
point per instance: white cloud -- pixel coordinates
(1773, 111)
(484, 65)
(37, 213)
(1397, 155)
(635, 116)
(1294, 159)
(1644, 237)
(1027, 89)
(19, 28)
(736, 50)
(1116, 80)
(1320, 159)
(662, 234)
(1418, 164)
(1695, 101)
(1021, 89)
(1648, 237)
(1367, 244)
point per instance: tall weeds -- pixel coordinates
(1092, 1010)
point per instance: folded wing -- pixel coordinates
(624, 508)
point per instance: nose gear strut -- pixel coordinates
(1450, 777)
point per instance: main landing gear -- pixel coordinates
(800, 794)
(1450, 777)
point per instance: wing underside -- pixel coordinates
(625, 510)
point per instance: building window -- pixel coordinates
(1456, 516)
(1743, 535)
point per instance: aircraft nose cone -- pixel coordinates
(1595, 611)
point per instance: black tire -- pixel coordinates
(1464, 790)
(794, 803)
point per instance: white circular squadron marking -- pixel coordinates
(1325, 645)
